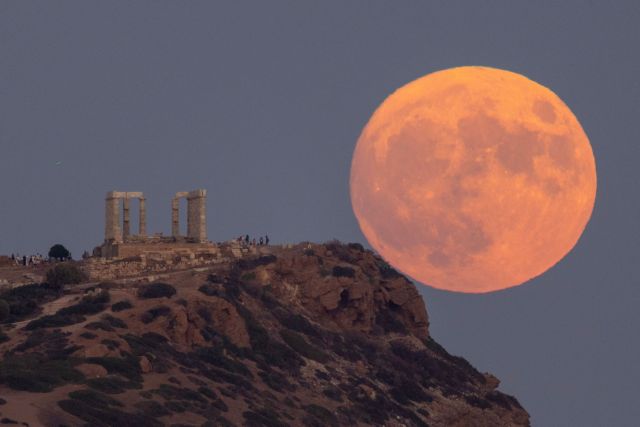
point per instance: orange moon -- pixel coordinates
(473, 179)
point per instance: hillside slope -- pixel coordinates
(313, 335)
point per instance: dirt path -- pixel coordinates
(49, 308)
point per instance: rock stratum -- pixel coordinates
(313, 335)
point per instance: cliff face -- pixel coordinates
(315, 335)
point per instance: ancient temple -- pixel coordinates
(120, 242)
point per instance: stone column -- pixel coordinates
(126, 217)
(202, 217)
(197, 216)
(142, 227)
(175, 217)
(112, 218)
(190, 218)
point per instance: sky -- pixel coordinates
(261, 103)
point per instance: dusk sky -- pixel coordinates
(261, 103)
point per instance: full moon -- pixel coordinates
(473, 179)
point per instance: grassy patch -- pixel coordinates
(477, 402)
(73, 314)
(504, 400)
(88, 305)
(112, 385)
(266, 349)
(210, 290)
(47, 338)
(218, 421)
(128, 367)
(152, 314)
(452, 374)
(114, 321)
(25, 300)
(333, 393)
(276, 381)
(389, 321)
(247, 277)
(251, 263)
(65, 274)
(149, 342)
(296, 323)
(171, 392)
(88, 335)
(222, 376)
(340, 251)
(206, 391)
(340, 271)
(356, 247)
(121, 306)
(31, 372)
(101, 415)
(151, 408)
(263, 417)
(158, 348)
(156, 290)
(94, 398)
(54, 321)
(99, 325)
(205, 313)
(214, 278)
(386, 271)
(319, 416)
(214, 356)
(232, 290)
(407, 391)
(302, 347)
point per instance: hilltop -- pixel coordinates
(309, 335)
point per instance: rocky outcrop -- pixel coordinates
(91, 370)
(348, 288)
(311, 335)
(222, 316)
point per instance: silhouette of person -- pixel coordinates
(246, 239)
(266, 239)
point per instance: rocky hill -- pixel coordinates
(313, 335)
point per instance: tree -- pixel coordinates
(58, 251)
(64, 274)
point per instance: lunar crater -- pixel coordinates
(544, 110)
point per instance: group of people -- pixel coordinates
(246, 240)
(27, 260)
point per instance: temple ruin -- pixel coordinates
(113, 231)
(196, 215)
(120, 242)
(133, 255)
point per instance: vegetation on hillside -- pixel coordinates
(59, 252)
(64, 274)
(169, 350)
